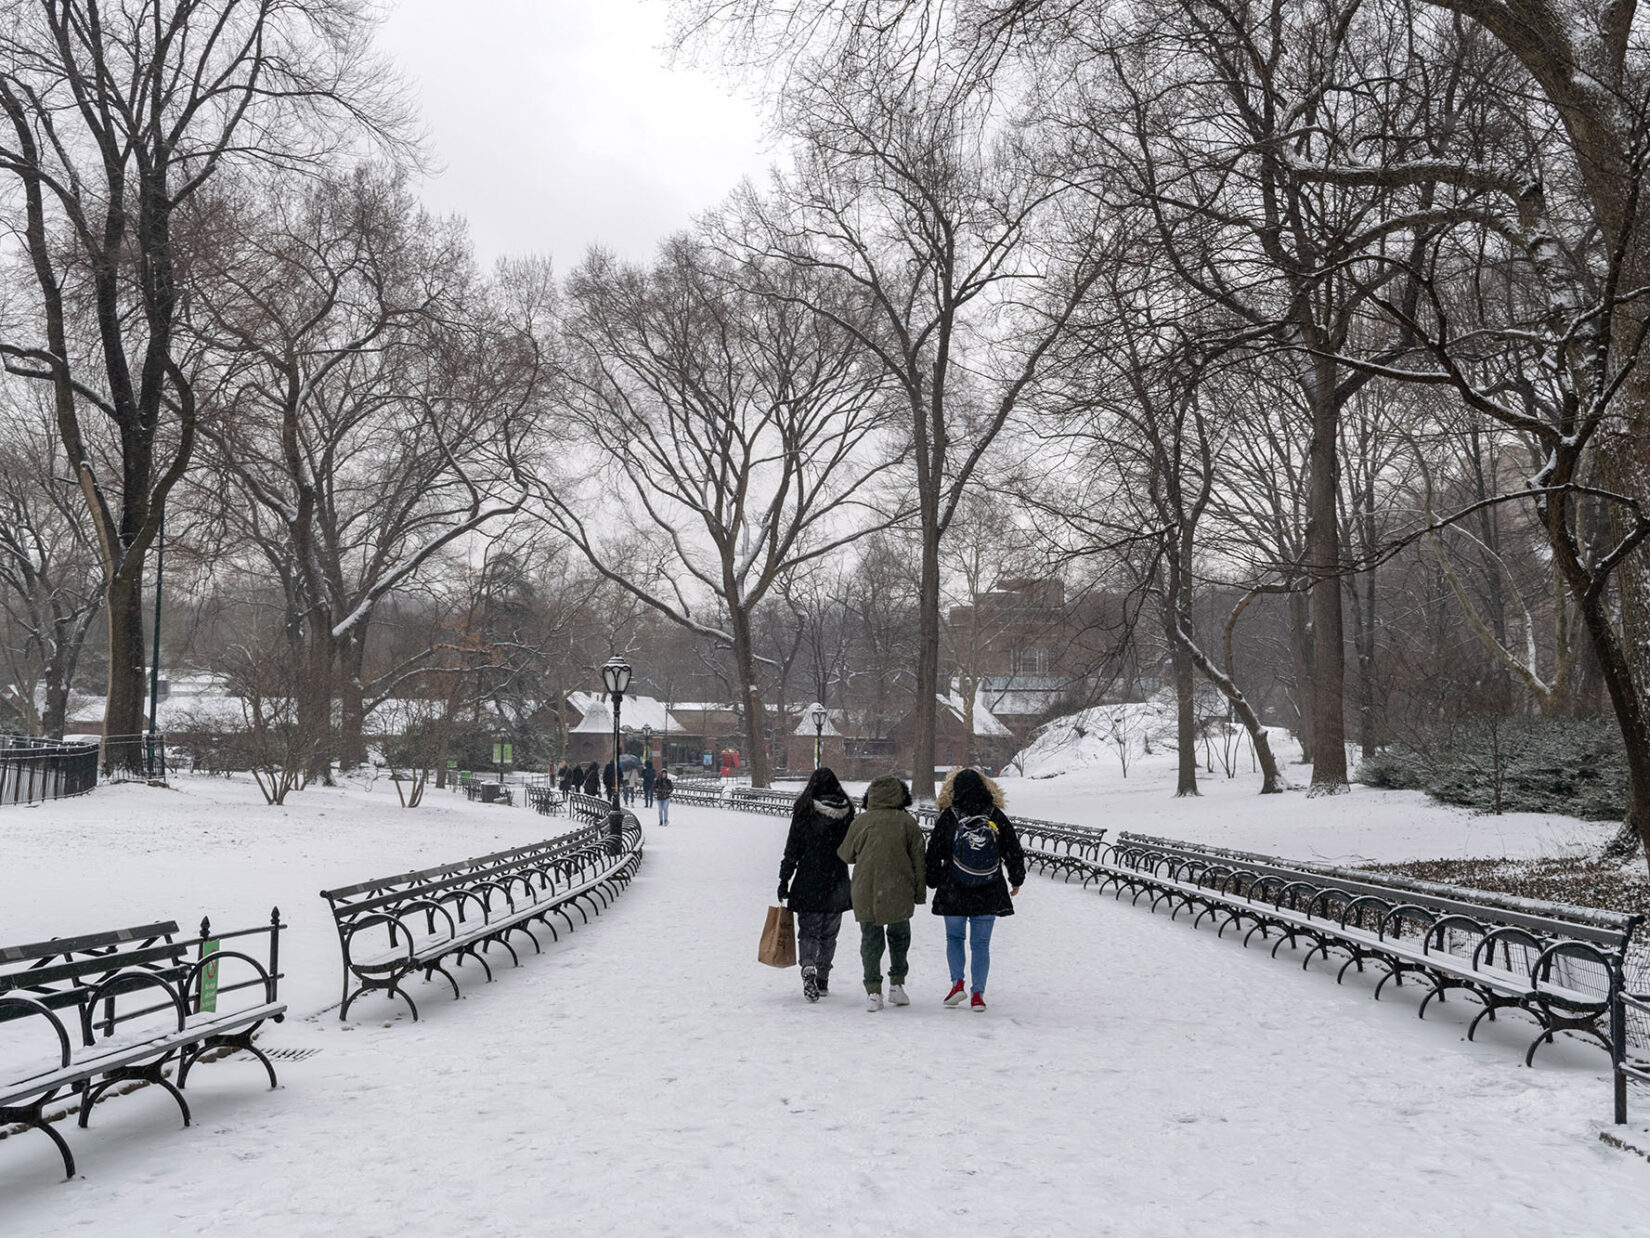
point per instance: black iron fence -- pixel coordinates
(32, 770)
(134, 758)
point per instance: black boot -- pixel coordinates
(810, 984)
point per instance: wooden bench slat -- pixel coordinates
(87, 941)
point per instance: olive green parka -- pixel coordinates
(885, 847)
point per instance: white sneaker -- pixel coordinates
(896, 996)
(873, 1002)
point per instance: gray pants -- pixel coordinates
(816, 940)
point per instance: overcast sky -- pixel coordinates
(558, 126)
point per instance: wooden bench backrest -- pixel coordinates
(33, 952)
(63, 972)
(431, 882)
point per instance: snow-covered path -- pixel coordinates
(646, 1076)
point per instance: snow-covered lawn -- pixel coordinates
(646, 1076)
(1084, 782)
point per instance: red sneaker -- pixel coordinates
(954, 998)
(977, 1002)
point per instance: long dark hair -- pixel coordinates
(822, 784)
(970, 795)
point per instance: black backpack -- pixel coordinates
(976, 853)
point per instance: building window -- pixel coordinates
(1031, 662)
(868, 747)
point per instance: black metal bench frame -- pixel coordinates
(1405, 927)
(84, 977)
(460, 911)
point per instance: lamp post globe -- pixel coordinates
(816, 711)
(616, 678)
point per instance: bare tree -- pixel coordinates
(740, 425)
(114, 122)
(375, 395)
(50, 586)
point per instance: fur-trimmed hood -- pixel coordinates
(943, 800)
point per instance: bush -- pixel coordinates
(1497, 764)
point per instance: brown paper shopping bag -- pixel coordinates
(778, 947)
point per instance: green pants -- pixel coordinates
(871, 939)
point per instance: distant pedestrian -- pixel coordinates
(813, 878)
(592, 780)
(976, 867)
(648, 776)
(884, 845)
(632, 783)
(610, 779)
(661, 796)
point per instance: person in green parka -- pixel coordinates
(885, 847)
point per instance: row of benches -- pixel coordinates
(143, 1005)
(129, 1004)
(1563, 965)
(391, 928)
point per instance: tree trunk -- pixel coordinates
(123, 711)
(1271, 779)
(315, 697)
(928, 656)
(1300, 649)
(352, 711)
(750, 696)
(1185, 696)
(1323, 554)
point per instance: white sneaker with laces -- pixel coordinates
(873, 1002)
(896, 996)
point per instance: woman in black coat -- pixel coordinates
(974, 883)
(814, 879)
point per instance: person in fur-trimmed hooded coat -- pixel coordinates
(971, 909)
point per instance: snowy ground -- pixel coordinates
(1133, 1076)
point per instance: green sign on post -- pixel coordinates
(498, 753)
(509, 754)
(209, 977)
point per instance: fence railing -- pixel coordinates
(32, 770)
(134, 758)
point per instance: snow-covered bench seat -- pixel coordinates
(79, 1015)
(1561, 964)
(391, 927)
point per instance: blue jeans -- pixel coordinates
(979, 931)
(664, 812)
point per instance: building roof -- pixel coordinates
(1020, 696)
(635, 713)
(805, 725)
(986, 725)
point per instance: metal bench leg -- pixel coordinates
(1357, 958)
(34, 1117)
(148, 1074)
(225, 1040)
(1559, 1023)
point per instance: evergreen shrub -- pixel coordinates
(1518, 764)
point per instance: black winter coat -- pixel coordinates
(817, 877)
(991, 899)
(592, 782)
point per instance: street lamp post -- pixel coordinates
(647, 743)
(616, 677)
(816, 711)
